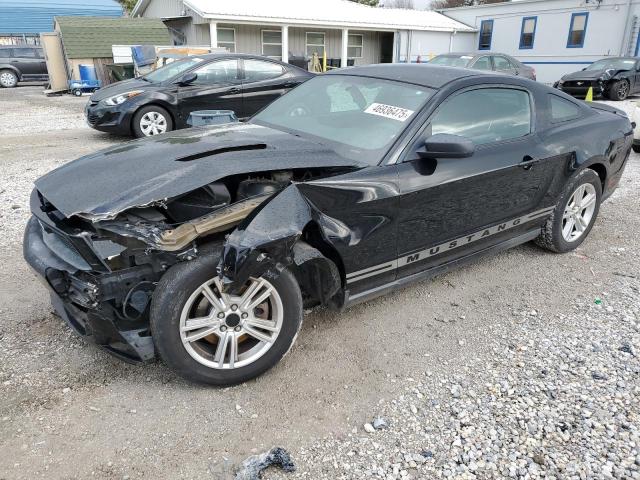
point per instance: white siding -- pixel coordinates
(550, 56)
(414, 44)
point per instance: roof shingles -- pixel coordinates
(93, 37)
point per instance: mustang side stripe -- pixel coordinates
(446, 246)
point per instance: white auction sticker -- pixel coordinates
(389, 111)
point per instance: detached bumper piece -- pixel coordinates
(110, 309)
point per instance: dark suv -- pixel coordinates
(21, 63)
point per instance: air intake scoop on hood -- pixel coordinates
(218, 151)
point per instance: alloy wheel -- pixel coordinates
(153, 123)
(224, 331)
(623, 90)
(579, 212)
(8, 79)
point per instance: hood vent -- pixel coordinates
(218, 151)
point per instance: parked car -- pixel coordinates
(613, 78)
(162, 100)
(21, 64)
(498, 62)
(352, 185)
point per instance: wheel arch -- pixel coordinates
(154, 103)
(12, 69)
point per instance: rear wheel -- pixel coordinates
(208, 336)
(151, 120)
(8, 79)
(618, 90)
(574, 215)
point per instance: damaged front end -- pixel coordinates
(102, 273)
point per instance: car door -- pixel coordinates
(216, 87)
(263, 81)
(28, 61)
(453, 207)
(635, 78)
(503, 65)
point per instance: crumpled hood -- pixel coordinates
(585, 75)
(141, 172)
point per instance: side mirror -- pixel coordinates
(188, 78)
(584, 69)
(444, 145)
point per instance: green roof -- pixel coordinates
(92, 37)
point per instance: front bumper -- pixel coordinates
(79, 297)
(580, 88)
(116, 119)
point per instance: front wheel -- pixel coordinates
(574, 215)
(618, 90)
(211, 337)
(151, 120)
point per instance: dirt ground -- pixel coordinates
(69, 410)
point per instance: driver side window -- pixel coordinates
(221, 72)
(485, 115)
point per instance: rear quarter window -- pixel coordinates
(562, 109)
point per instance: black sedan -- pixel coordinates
(612, 78)
(162, 100)
(356, 183)
(498, 62)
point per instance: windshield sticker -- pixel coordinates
(389, 111)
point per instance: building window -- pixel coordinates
(528, 32)
(354, 46)
(486, 31)
(315, 43)
(227, 38)
(577, 30)
(272, 43)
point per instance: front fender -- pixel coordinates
(268, 240)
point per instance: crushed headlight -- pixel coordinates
(122, 97)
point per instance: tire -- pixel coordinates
(552, 236)
(177, 298)
(618, 90)
(8, 79)
(636, 148)
(159, 118)
(77, 92)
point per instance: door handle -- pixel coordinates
(527, 162)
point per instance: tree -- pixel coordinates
(371, 3)
(440, 4)
(406, 4)
(128, 4)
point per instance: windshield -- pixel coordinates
(612, 64)
(358, 117)
(451, 60)
(173, 69)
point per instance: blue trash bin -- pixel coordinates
(211, 117)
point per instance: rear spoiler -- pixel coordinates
(607, 108)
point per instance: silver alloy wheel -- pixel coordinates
(579, 212)
(623, 89)
(8, 79)
(153, 123)
(226, 331)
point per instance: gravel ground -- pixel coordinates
(523, 365)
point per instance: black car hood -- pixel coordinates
(123, 86)
(588, 75)
(142, 172)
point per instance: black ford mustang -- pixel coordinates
(613, 78)
(204, 245)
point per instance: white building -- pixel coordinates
(554, 36)
(350, 33)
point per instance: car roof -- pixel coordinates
(433, 76)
